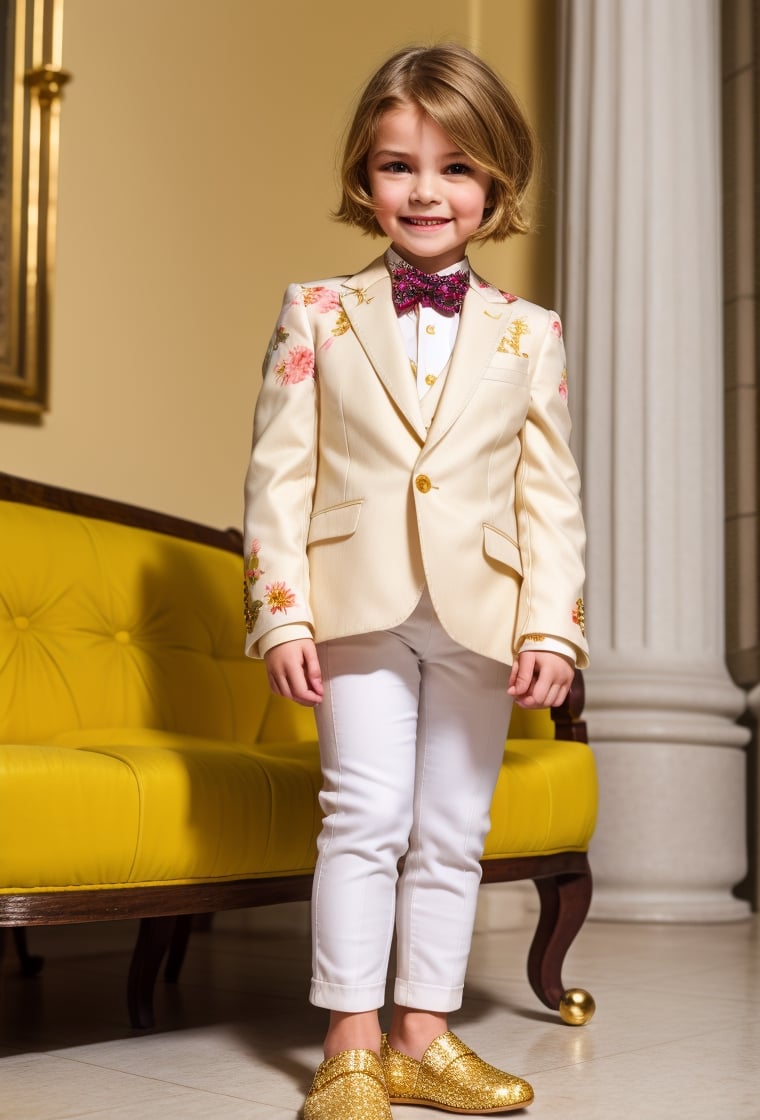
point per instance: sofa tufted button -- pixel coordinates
(123, 637)
(21, 623)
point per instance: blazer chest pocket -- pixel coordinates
(509, 369)
(502, 548)
(334, 521)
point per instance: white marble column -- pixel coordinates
(754, 707)
(641, 300)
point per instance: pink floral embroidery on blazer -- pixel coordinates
(563, 386)
(321, 299)
(297, 365)
(253, 570)
(279, 597)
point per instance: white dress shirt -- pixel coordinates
(428, 336)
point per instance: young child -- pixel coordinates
(413, 529)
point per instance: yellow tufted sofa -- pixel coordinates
(146, 772)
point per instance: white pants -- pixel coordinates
(412, 730)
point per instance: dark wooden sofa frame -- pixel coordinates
(563, 881)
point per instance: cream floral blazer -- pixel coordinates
(352, 506)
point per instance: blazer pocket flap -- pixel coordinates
(335, 521)
(502, 548)
(510, 368)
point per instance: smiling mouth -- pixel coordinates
(426, 222)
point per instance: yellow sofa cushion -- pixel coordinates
(545, 799)
(135, 807)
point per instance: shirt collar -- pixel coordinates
(393, 259)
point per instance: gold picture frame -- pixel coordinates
(31, 81)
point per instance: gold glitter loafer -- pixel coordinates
(349, 1086)
(453, 1078)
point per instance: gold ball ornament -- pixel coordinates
(576, 1007)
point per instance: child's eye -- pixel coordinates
(458, 169)
(397, 167)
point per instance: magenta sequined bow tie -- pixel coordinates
(445, 294)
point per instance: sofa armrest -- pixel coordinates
(568, 723)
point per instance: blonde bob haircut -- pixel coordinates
(468, 100)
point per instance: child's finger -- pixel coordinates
(299, 686)
(548, 684)
(313, 672)
(289, 667)
(520, 680)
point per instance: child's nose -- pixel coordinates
(424, 189)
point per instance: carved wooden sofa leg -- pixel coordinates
(565, 899)
(178, 947)
(152, 942)
(30, 964)
(156, 936)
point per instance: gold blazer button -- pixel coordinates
(423, 483)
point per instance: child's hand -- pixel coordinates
(540, 679)
(293, 671)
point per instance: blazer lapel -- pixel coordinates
(366, 300)
(485, 317)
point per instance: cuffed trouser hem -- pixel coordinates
(426, 997)
(336, 997)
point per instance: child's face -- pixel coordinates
(429, 196)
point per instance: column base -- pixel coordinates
(617, 905)
(670, 842)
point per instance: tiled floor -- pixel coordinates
(676, 1035)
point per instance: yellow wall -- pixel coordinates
(198, 156)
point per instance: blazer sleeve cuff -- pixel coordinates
(549, 645)
(291, 632)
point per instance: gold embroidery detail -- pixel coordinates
(414, 367)
(510, 342)
(490, 316)
(579, 616)
(251, 609)
(280, 335)
(534, 637)
(360, 293)
(342, 324)
(431, 379)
